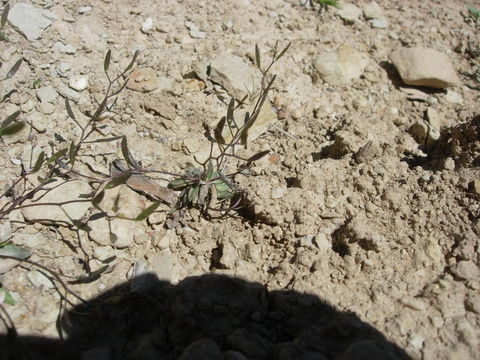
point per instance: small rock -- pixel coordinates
(103, 253)
(47, 108)
(47, 94)
(454, 97)
(194, 31)
(66, 49)
(372, 11)
(465, 270)
(379, 23)
(166, 84)
(367, 152)
(147, 25)
(472, 302)
(39, 280)
(5, 231)
(234, 75)
(474, 186)
(322, 242)
(434, 119)
(424, 133)
(416, 341)
(349, 13)
(84, 10)
(63, 69)
(412, 303)
(78, 82)
(341, 66)
(143, 79)
(162, 265)
(424, 67)
(59, 192)
(277, 193)
(29, 20)
(449, 164)
(66, 92)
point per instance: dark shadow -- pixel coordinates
(206, 317)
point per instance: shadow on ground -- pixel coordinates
(205, 317)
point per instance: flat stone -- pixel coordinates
(234, 75)
(58, 192)
(66, 92)
(424, 67)
(453, 97)
(379, 23)
(466, 270)
(78, 82)
(434, 118)
(372, 11)
(341, 66)
(39, 280)
(66, 49)
(143, 80)
(349, 13)
(47, 94)
(29, 20)
(194, 31)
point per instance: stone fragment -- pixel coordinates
(78, 82)
(29, 20)
(372, 11)
(66, 92)
(474, 186)
(434, 118)
(466, 270)
(47, 94)
(66, 49)
(143, 80)
(453, 97)
(147, 25)
(424, 67)
(84, 10)
(341, 66)
(194, 31)
(349, 13)
(39, 280)
(379, 23)
(162, 265)
(234, 75)
(57, 192)
(424, 133)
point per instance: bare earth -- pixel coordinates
(358, 240)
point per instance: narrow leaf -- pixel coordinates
(283, 51)
(45, 181)
(15, 251)
(11, 118)
(257, 56)
(178, 184)
(70, 113)
(113, 138)
(106, 63)
(12, 128)
(122, 179)
(57, 155)
(209, 171)
(230, 109)
(97, 199)
(133, 61)
(127, 155)
(148, 211)
(14, 69)
(81, 226)
(72, 152)
(116, 203)
(39, 162)
(258, 156)
(3, 21)
(192, 194)
(222, 195)
(88, 278)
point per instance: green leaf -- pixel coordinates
(4, 18)
(116, 203)
(193, 194)
(12, 128)
(122, 179)
(179, 184)
(15, 251)
(133, 61)
(113, 138)
(39, 162)
(70, 113)
(72, 152)
(97, 199)
(81, 226)
(11, 118)
(7, 298)
(220, 185)
(14, 69)
(230, 110)
(222, 195)
(209, 171)
(45, 181)
(106, 63)
(37, 83)
(283, 51)
(88, 278)
(148, 211)
(257, 56)
(57, 155)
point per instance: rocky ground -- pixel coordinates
(361, 234)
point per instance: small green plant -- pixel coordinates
(211, 186)
(3, 21)
(474, 13)
(325, 4)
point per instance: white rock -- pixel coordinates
(454, 97)
(78, 82)
(434, 118)
(349, 13)
(194, 31)
(161, 263)
(47, 94)
(466, 270)
(59, 191)
(372, 11)
(39, 280)
(379, 23)
(5, 231)
(237, 77)
(66, 92)
(424, 67)
(341, 66)
(29, 20)
(84, 9)
(66, 49)
(322, 242)
(147, 25)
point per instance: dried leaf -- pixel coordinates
(113, 138)
(257, 156)
(70, 113)
(209, 171)
(97, 199)
(14, 69)
(178, 184)
(127, 155)
(88, 278)
(81, 226)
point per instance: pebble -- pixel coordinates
(78, 82)
(47, 94)
(474, 186)
(162, 265)
(465, 270)
(47, 108)
(424, 67)
(372, 11)
(143, 80)
(453, 97)
(379, 23)
(66, 92)
(349, 13)
(39, 280)
(63, 69)
(66, 49)
(194, 31)
(147, 25)
(84, 10)
(434, 118)
(449, 164)
(341, 66)
(412, 303)
(322, 242)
